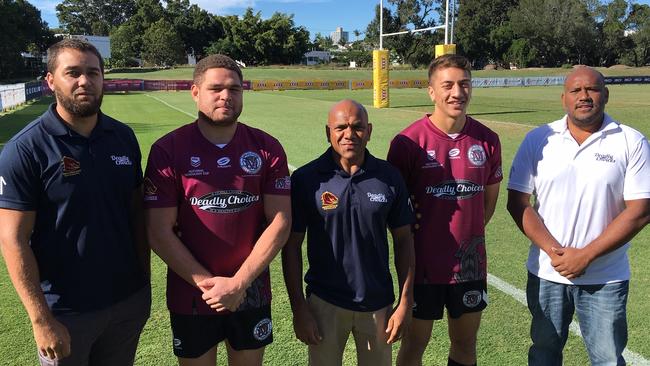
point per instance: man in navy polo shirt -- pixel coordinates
(71, 226)
(345, 199)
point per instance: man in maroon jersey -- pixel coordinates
(452, 167)
(218, 211)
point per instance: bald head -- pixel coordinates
(585, 71)
(347, 107)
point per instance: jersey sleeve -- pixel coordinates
(19, 179)
(522, 169)
(496, 170)
(276, 180)
(160, 186)
(637, 184)
(402, 212)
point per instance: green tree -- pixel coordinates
(614, 42)
(93, 17)
(638, 26)
(414, 48)
(196, 27)
(126, 45)
(162, 46)
(21, 29)
(322, 43)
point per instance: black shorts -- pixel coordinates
(460, 298)
(194, 335)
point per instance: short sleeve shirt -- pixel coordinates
(81, 190)
(580, 189)
(446, 178)
(345, 217)
(219, 194)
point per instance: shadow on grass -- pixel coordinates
(12, 123)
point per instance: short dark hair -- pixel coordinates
(450, 60)
(216, 61)
(71, 43)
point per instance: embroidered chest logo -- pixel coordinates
(329, 200)
(121, 160)
(431, 160)
(70, 166)
(250, 162)
(223, 162)
(195, 161)
(455, 189)
(608, 158)
(454, 153)
(377, 197)
(476, 155)
(229, 201)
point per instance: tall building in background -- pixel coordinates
(339, 35)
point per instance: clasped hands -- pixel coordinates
(222, 293)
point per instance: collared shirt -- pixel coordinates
(345, 217)
(219, 193)
(580, 189)
(446, 178)
(81, 190)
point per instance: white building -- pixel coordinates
(339, 35)
(103, 44)
(317, 57)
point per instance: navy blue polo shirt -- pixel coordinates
(81, 189)
(346, 217)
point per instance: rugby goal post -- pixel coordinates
(380, 59)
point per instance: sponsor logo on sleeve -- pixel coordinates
(121, 160)
(329, 201)
(150, 190)
(608, 158)
(476, 155)
(229, 201)
(377, 197)
(70, 167)
(250, 162)
(195, 161)
(472, 299)
(499, 172)
(263, 329)
(283, 183)
(455, 189)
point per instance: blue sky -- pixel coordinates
(318, 16)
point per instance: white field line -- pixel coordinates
(503, 286)
(631, 358)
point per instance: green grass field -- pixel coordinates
(297, 72)
(297, 119)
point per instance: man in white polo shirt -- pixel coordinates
(590, 176)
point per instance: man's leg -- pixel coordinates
(247, 357)
(462, 335)
(414, 342)
(603, 322)
(369, 331)
(334, 325)
(551, 308)
(209, 358)
(195, 338)
(248, 333)
(119, 340)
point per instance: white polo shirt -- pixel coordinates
(580, 189)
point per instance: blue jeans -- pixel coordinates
(601, 314)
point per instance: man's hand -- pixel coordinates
(52, 339)
(398, 322)
(570, 262)
(222, 293)
(305, 327)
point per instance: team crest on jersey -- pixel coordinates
(431, 161)
(250, 162)
(70, 167)
(472, 299)
(263, 329)
(329, 201)
(476, 155)
(195, 161)
(431, 155)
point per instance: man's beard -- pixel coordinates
(220, 123)
(77, 108)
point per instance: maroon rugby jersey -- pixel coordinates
(446, 178)
(219, 195)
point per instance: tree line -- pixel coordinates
(548, 33)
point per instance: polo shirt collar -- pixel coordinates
(327, 164)
(55, 126)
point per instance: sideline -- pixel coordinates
(632, 358)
